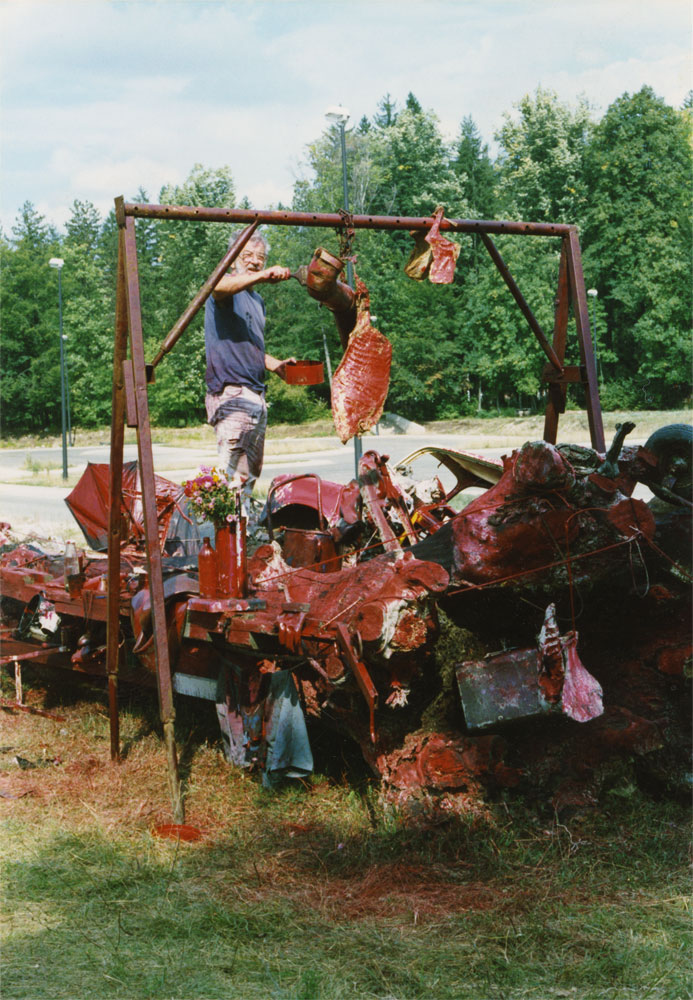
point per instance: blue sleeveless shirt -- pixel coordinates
(235, 341)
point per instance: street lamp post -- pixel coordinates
(70, 435)
(57, 263)
(338, 115)
(593, 293)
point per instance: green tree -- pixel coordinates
(386, 114)
(541, 160)
(638, 248)
(473, 165)
(401, 165)
(84, 227)
(184, 255)
(503, 356)
(540, 164)
(88, 318)
(30, 385)
(418, 162)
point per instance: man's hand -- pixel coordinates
(278, 367)
(272, 275)
(231, 284)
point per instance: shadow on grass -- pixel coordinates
(96, 917)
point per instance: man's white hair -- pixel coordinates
(255, 238)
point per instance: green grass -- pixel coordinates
(43, 473)
(486, 431)
(129, 916)
(314, 892)
(181, 437)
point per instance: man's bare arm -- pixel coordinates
(231, 284)
(276, 366)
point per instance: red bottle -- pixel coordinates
(207, 569)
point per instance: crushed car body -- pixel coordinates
(337, 615)
(520, 640)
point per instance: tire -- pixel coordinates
(672, 479)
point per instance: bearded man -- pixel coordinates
(237, 362)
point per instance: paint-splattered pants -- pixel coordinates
(239, 418)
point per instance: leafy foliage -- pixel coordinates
(541, 162)
(638, 240)
(624, 180)
(31, 346)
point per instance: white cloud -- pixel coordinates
(102, 98)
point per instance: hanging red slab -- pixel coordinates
(360, 384)
(445, 253)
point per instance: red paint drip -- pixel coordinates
(177, 831)
(582, 693)
(360, 384)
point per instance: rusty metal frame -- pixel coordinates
(130, 379)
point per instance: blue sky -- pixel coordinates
(99, 98)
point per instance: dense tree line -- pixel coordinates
(625, 180)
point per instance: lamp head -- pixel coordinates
(337, 115)
(56, 262)
(592, 292)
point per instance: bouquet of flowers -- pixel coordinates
(211, 497)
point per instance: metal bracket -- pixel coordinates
(363, 678)
(130, 402)
(570, 373)
(120, 211)
(289, 631)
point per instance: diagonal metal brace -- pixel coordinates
(521, 301)
(363, 678)
(210, 284)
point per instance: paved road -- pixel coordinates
(41, 509)
(16, 462)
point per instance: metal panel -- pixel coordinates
(195, 687)
(501, 688)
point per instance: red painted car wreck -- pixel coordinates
(523, 640)
(441, 715)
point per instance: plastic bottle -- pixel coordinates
(207, 569)
(71, 561)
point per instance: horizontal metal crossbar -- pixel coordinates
(329, 220)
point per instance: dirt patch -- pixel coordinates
(397, 890)
(417, 892)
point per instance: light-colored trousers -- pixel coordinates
(239, 418)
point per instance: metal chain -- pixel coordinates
(346, 235)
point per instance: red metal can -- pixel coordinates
(304, 373)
